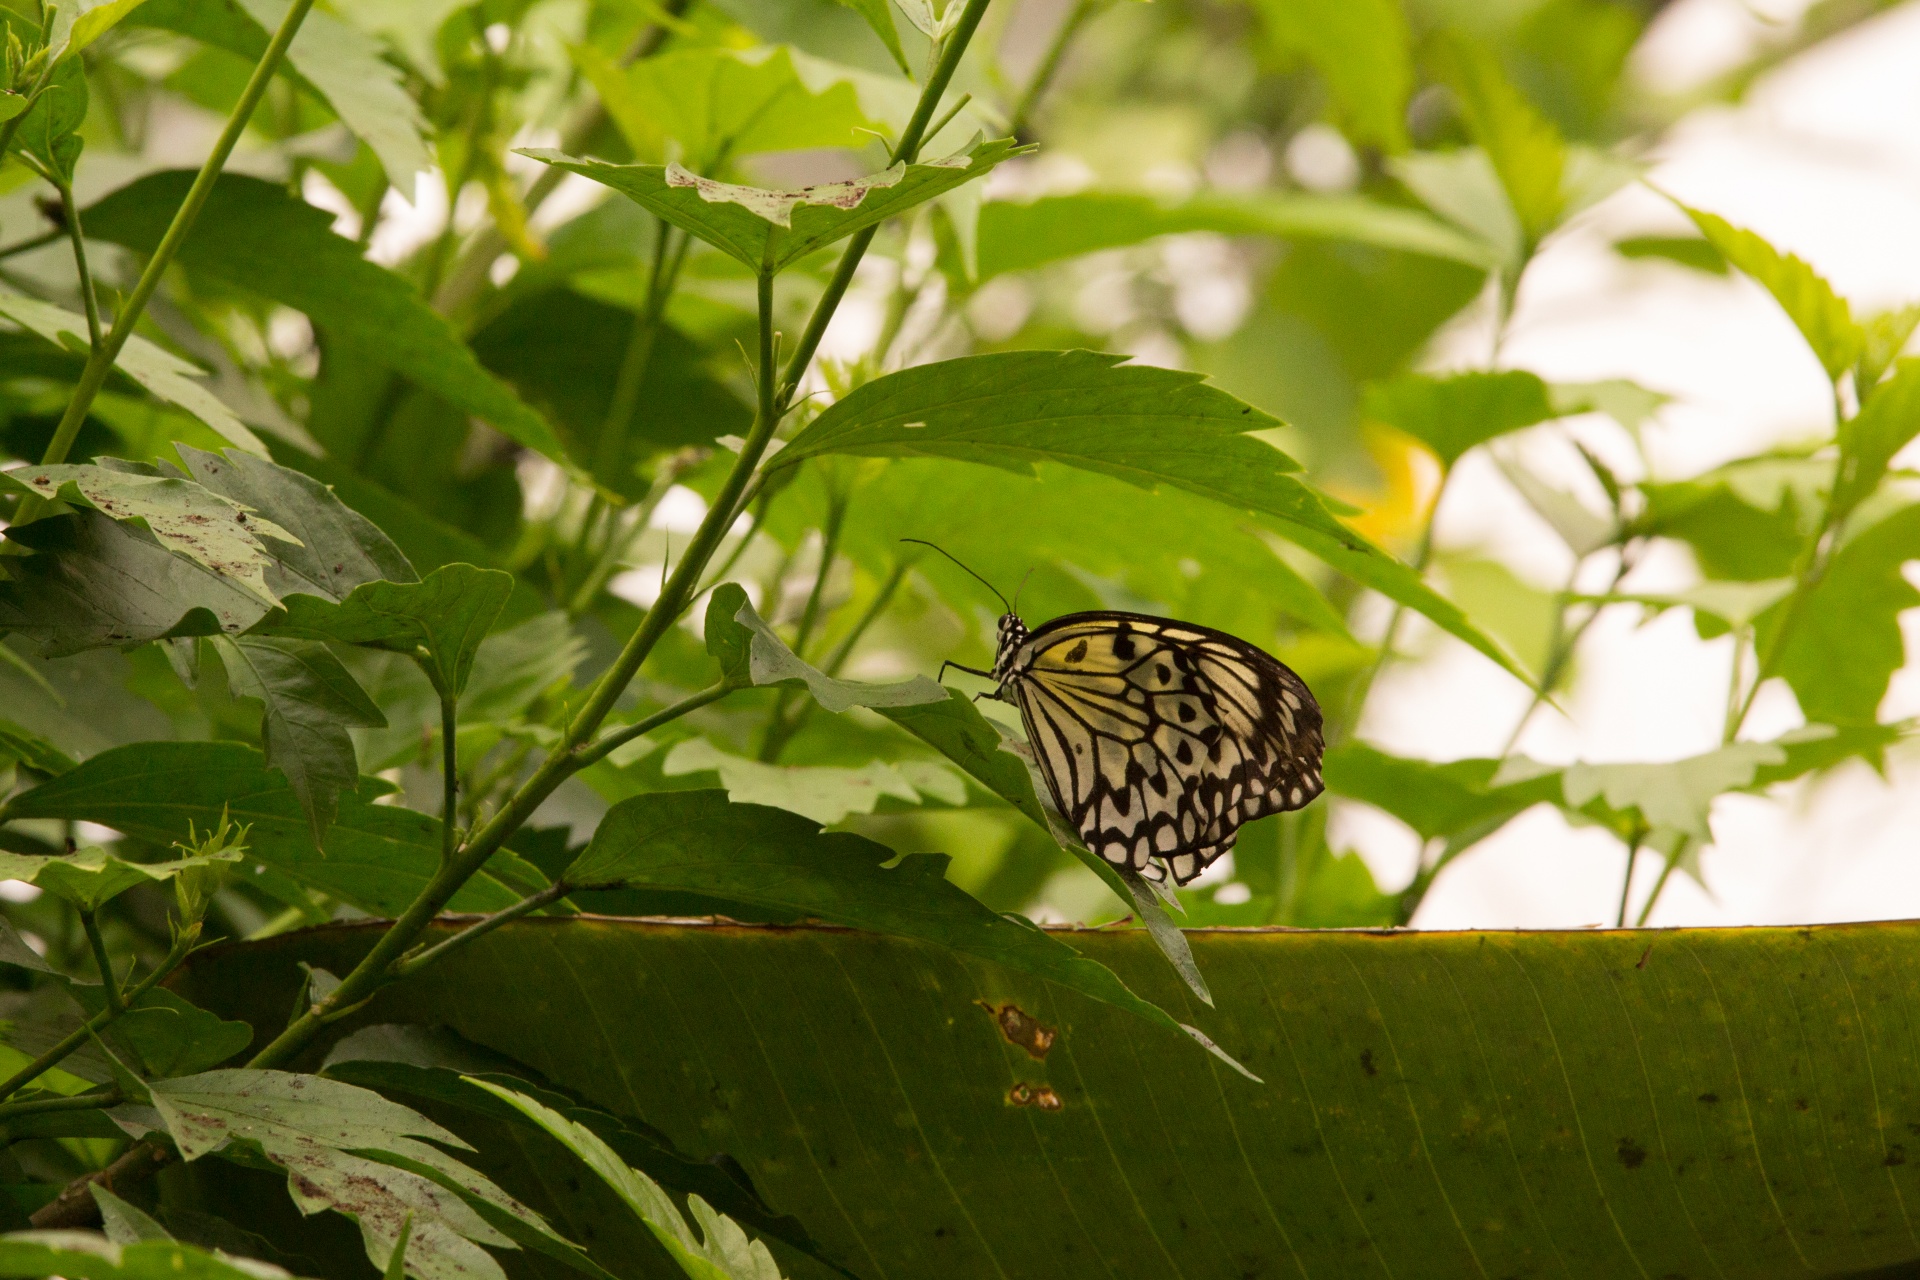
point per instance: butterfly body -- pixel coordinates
(1158, 739)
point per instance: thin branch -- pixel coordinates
(627, 733)
(40, 241)
(100, 363)
(90, 1101)
(104, 962)
(1666, 873)
(87, 295)
(1049, 67)
(449, 773)
(480, 928)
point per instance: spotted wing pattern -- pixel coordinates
(1159, 739)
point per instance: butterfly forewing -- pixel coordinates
(1159, 739)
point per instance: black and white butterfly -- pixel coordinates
(1158, 738)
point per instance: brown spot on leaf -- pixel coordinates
(1800, 1104)
(1041, 1097)
(1709, 1097)
(1896, 1155)
(1632, 1154)
(1366, 1062)
(1022, 1028)
(1641, 963)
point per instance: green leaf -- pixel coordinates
(438, 621)
(1436, 800)
(1021, 236)
(1847, 642)
(1689, 251)
(165, 376)
(698, 842)
(1821, 315)
(32, 750)
(858, 1081)
(219, 534)
(337, 547)
(879, 16)
(308, 702)
(770, 661)
(730, 643)
(1147, 426)
(719, 103)
(89, 878)
(1676, 795)
(1526, 149)
(309, 1125)
(769, 230)
(254, 234)
(48, 129)
(81, 1255)
(1583, 529)
(93, 581)
(825, 793)
(955, 728)
(1452, 413)
(167, 1035)
(123, 1223)
(377, 858)
(1363, 50)
(88, 25)
(721, 1251)
(1886, 424)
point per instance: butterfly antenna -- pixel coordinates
(949, 555)
(1019, 590)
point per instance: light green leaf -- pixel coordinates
(1694, 252)
(1627, 403)
(49, 128)
(1581, 528)
(308, 702)
(1821, 315)
(699, 842)
(717, 104)
(123, 1223)
(1847, 642)
(1021, 236)
(1525, 148)
(1147, 426)
(768, 230)
(1436, 800)
(82, 1255)
(770, 661)
(825, 793)
(256, 235)
(439, 621)
(348, 68)
(91, 877)
(87, 25)
(955, 728)
(1676, 795)
(166, 376)
(1463, 187)
(1452, 413)
(309, 1124)
(1362, 49)
(879, 16)
(1885, 425)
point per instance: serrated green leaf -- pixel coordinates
(256, 235)
(825, 793)
(769, 230)
(1822, 316)
(698, 842)
(164, 375)
(378, 857)
(1847, 642)
(1364, 52)
(166, 1034)
(1021, 236)
(439, 621)
(1676, 795)
(1452, 413)
(770, 661)
(1436, 800)
(1149, 427)
(48, 129)
(1525, 148)
(1886, 424)
(308, 702)
(91, 877)
(721, 1251)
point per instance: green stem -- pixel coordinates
(605, 746)
(1626, 881)
(633, 365)
(1666, 872)
(480, 928)
(1563, 645)
(449, 774)
(100, 363)
(72, 212)
(33, 242)
(100, 1021)
(787, 730)
(103, 962)
(1048, 68)
(91, 1101)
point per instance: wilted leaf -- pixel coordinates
(768, 230)
(166, 376)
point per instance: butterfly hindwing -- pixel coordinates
(1159, 739)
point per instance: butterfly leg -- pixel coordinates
(972, 671)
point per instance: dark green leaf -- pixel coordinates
(1019, 237)
(955, 728)
(1821, 315)
(729, 641)
(378, 857)
(438, 621)
(769, 230)
(47, 129)
(1886, 424)
(1436, 800)
(168, 1035)
(1140, 424)
(123, 1223)
(32, 750)
(1363, 51)
(1689, 251)
(255, 235)
(696, 841)
(1452, 413)
(308, 703)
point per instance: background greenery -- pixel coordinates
(464, 456)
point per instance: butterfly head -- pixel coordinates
(1013, 634)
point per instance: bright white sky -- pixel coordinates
(1824, 160)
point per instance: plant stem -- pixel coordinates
(1626, 881)
(99, 1021)
(1358, 698)
(33, 242)
(100, 363)
(449, 773)
(103, 962)
(787, 730)
(90, 1101)
(639, 728)
(1048, 68)
(1563, 645)
(526, 906)
(72, 213)
(1646, 909)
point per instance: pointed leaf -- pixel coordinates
(123, 1223)
(1435, 799)
(1885, 425)
(1676, 795)
(1847, 642)
(825, 793)
(1821, 315)
(1363, 50)
(81, 1255)
(770, 661)
(1525, 148)
(1451, 414)
(438, 621)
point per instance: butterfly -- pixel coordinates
(1158, 738)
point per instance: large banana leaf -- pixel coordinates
(1697, 1103)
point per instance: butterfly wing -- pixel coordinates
(1159, 739)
